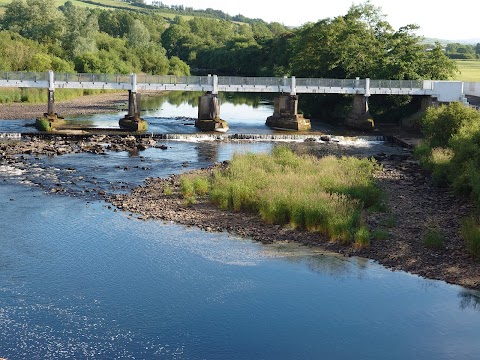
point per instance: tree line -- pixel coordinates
(462, 51)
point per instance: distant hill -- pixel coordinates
(168, 12)
(445, 42)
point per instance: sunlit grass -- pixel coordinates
(326, 195)
(34, 95)
(469, 70)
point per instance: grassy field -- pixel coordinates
(107, 4)
(469, 70)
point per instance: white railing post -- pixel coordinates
(215, 84)
(367, 87)
(357, 82)
(133, 80)
(293, 89)
(51, 80)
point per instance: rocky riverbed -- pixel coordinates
(415, 206)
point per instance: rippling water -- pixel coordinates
(81, 281)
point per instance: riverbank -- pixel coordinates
(415, 207)
(88, 104)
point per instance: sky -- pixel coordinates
(449, 20)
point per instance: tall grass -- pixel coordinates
(35, 96)
(325, 195)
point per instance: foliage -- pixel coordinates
(451, 149)
(74, 39)
(433, 239)
(362, 237)
(462, 51)
(379, 234)
(470, 232)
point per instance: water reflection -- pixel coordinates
(469, 299)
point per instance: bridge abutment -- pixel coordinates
(360, 117)
(209, 114)
(285, 114)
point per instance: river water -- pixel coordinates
(80, 280)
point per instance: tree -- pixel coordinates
(80, 30)
(38, 20)
(138, 36)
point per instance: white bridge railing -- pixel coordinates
(443, 90)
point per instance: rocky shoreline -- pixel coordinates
(415, 206)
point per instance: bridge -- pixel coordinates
(285, 109)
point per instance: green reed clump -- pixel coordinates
(379, 234)
(470, 232)
(433, 239)
(362, 237)
(167, 189)
(326, 195)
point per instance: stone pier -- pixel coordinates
(209, 114)
(132, 121)
(360, 117)
(285, 114)
(50, 119)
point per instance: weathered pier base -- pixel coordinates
(132, 121)
(209, 114)
(360, 117)
(285, 114)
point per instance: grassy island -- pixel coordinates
(326, 195)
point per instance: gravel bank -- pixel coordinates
(89, 104)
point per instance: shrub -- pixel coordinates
(433, 239)
(379, 234)
(167, 190)
(470, 232)
(451, 149)
(186, 186)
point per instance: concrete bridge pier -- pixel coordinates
(132, 121)
(285, 114)
(50, 119)
(209, 114)
(360, 117)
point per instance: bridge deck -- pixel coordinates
(444, 90)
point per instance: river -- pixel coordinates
(80, 280)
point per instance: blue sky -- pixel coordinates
(450, 20)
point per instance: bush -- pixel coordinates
(470, 232)
(451, 150)
(433, 239)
